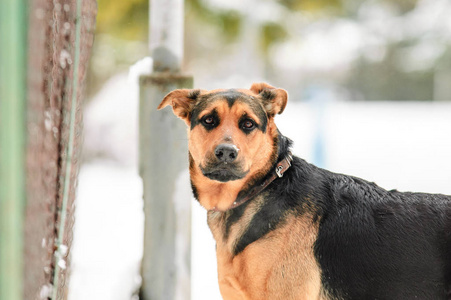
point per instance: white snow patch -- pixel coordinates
(111, 118)
(182, 206)
(62, 250)
(62, 264)
(46, 291)
(108, 233)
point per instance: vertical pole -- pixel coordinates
(166, 34)
(251, 66)
(166, 265)
(12, 145)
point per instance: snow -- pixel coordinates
(182, 202)
(108, 233)
(405, 146)
(46, 291)
(111, 118)
(397, 145)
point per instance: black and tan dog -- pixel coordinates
(286, 229)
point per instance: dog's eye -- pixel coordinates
(209, 121)
(248, 124)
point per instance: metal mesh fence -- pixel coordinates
(60, 39)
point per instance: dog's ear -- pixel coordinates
(182, 102)
(274, 99)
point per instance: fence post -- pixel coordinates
(166, 265)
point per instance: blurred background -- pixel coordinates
(357, 50)
(369, 86)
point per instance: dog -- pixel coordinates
(286, 229)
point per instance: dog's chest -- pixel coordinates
(280, 265)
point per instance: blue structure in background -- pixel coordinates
(318, 147)
(320, 96)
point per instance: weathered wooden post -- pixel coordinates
(163, 158)
(44, 53)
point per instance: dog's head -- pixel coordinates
(232, 135)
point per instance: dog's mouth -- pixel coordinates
(223, 172)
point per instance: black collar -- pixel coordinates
(281, 167)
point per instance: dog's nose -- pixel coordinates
(226, 152)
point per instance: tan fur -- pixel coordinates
(216, 222)
(181, 104)
(278, 104)
(279, 266)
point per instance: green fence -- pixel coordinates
(13, 20)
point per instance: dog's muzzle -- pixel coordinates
(224, 166)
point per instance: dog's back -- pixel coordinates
(378, 244)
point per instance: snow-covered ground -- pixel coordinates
(397, 145)
(107, 247)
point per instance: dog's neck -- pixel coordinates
(235, 229)
(214, 194)
(232, 228)
(244, 196)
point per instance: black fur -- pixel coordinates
(268, 218)
(267, 94)
(372, 243)
(232, 216)
(194, 94)
(216, 170)
(282, 197)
